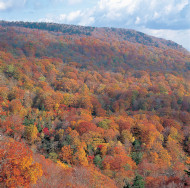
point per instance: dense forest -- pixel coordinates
(92, 107)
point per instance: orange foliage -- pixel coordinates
(17, 167)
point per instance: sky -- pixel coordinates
(169, 19)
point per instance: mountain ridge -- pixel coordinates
(93, 47)
(125, 34)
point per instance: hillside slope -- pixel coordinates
(107, 47)
(107, 107)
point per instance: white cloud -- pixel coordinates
(74, 15)
(182, 37)
(154, 13)
(62, 17)
(181, 5)
(86, 21)
(7, 4)
(113, 6)
(4, 5)
(72, 2)
(77, 17)
(46, 20)
(137, 20)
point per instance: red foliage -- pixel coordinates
(84, 127)
(46, 131)
(100, 146)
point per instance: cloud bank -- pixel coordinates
(162, 14)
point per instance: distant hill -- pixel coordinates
(103, 47)
(119, 34)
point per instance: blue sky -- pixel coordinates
(169, 19)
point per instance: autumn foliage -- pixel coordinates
(98, 107)
(17, 167)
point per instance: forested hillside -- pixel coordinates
(92, 107)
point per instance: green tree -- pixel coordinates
(138, 182)
(98, 161)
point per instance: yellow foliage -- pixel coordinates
(31, 132)
(66, 153)
(80, 156)
(68, 99)
(104, 149)
(26, 162)
(56, 106)
(165, 157)
(174, 134)
(73, 123)
(63, 165)
(35, 172)
(126, 135)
